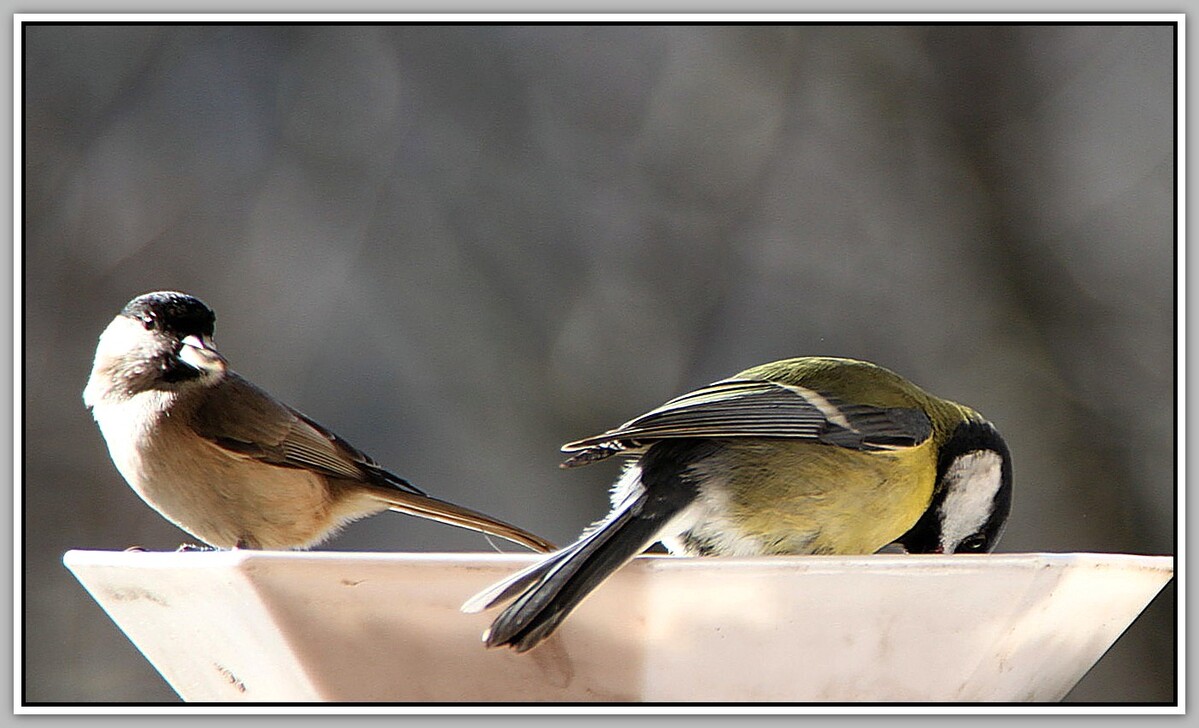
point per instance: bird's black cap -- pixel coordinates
(172, 312)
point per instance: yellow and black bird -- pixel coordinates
(813, 455)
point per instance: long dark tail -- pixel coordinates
(550, 590)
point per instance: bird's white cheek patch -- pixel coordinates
(971, 482)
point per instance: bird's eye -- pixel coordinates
(149, 323)
(973, 543)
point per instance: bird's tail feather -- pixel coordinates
(505, 590)
(445, 512)
(553, 587)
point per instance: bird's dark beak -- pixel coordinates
(199, 353)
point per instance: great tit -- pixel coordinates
(222, 459)
(814, 455)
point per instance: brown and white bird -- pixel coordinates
(222, 459)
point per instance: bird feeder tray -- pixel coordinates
(261, 626)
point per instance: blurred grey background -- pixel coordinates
(462, 246)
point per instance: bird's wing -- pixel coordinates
(756, 408)
(246, 421)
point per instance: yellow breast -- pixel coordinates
(797, 497)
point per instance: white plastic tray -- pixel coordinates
(327, 626)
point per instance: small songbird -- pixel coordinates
(814, 455)
(222, 459)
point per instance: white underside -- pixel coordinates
(705, 518)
